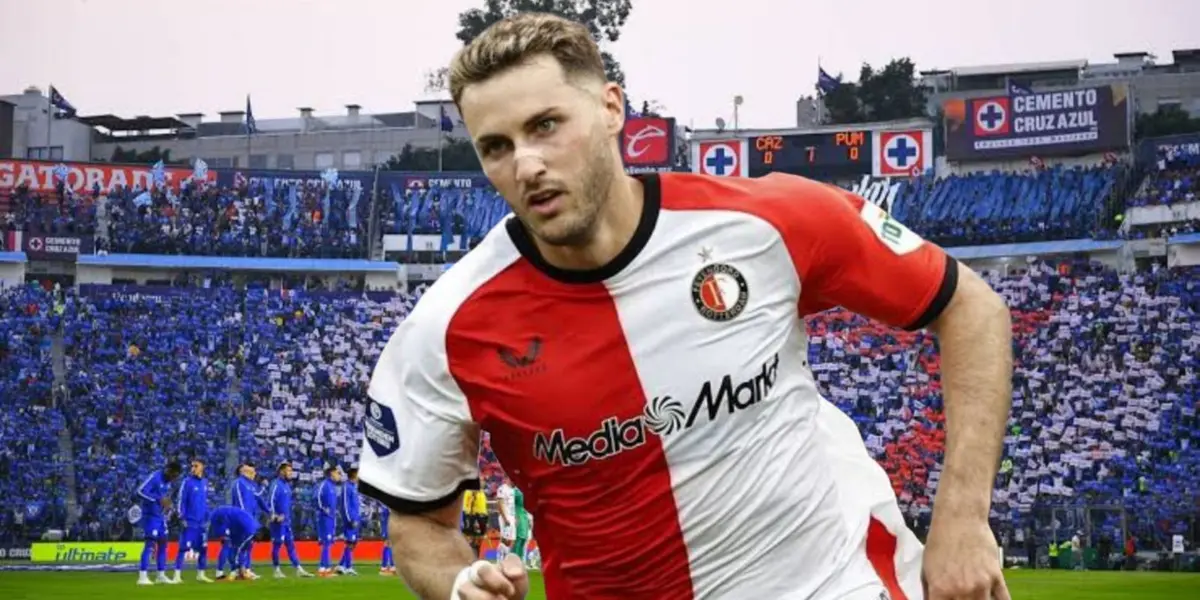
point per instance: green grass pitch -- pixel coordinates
(1025, 585)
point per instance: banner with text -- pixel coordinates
(39, 175)
(1169, 148)
(349, 180)
(648, 144)
(129, 552)
(1040, 124)
(56, 247)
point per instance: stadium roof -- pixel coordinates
(233, 263)
(1031, 67)
(115, 123)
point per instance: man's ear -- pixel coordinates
(613, 98)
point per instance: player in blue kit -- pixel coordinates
(193, 511)
(280, 504)
(387, 564)
(155, 496)
(327, 501)
(237, 527)
(349, 509)
(246, 495)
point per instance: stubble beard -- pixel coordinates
(577, 227)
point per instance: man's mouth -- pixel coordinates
(544, 201)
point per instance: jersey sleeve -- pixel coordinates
(421, 447)
(849, 252)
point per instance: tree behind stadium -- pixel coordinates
(888, 94)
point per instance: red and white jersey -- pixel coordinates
(659, 412)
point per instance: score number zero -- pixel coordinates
(770, 144)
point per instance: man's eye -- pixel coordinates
(547, 125)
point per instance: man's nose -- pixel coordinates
(530, 163)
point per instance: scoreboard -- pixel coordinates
(816, 155)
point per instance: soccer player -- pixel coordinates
(643, 338)
(524, 525)
(193, 510)
(350, 508)
(327, 499)
(475, 519)
(280, 505)
(508, 520)
(155, 494)
(247, 495)
(237, 527)
(387, 564)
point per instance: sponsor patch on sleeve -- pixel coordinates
(380, 429)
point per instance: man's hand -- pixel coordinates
(277, 518)
(506, 581)
(165, 502)
(961, 562)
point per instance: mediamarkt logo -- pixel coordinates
(663, 416)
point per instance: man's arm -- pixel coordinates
(975, 336)
(429, 550)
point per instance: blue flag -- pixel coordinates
(62, 108)
(446, 218)
(293, 207)
(158, 173)
(269, 193)
(352, 210)
(251, 124)
(826, 83)
(325, 207)
(446, 123)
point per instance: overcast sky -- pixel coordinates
(162, 57)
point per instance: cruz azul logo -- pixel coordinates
(663, 416)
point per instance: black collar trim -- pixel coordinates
(651, 204)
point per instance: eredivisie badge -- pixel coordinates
(719, 292)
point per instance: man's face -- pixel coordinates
(286, 472)
(336, 476)
(547, 144)
(198, 468)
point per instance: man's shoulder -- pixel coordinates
(683, 191)
(779, 199)
(455, 287)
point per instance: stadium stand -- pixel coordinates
(1175, 180)
(1104, 393)
(28, 422)
(180, 372)
(150, 376)
(1000, 207)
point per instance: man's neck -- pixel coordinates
(614, 229)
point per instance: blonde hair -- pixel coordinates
(516, 39)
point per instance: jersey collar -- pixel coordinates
(651, 203)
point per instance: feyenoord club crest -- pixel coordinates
(719, 292)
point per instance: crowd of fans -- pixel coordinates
(1056, 203)
(1104, 409)
(263, 219)
(1173, 180)
(30, 466)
